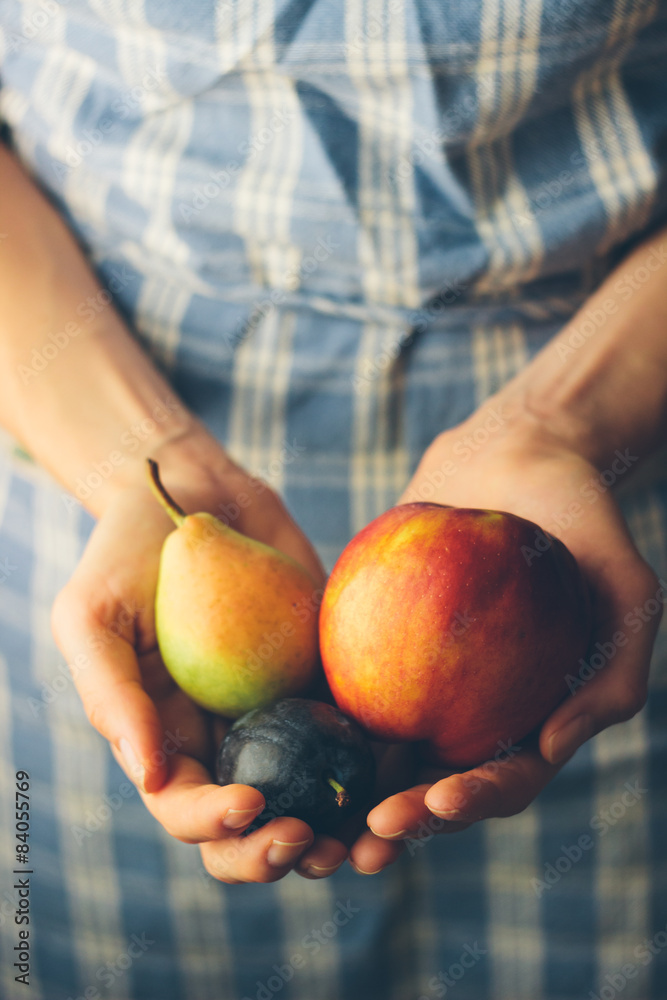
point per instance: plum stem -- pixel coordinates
(342, 798)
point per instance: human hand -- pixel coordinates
(103, 622)
(524, 470)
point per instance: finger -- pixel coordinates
(99, 651)
(289, 539)
(265, 855)
(369, 855)
(194, 810)
(322, 859)
(405, 815)
(493, 789)
(267, 519)
(611, 685)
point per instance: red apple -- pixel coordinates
(452, 626)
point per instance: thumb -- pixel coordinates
(610, 686)
(106, 674)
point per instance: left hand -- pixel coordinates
(520, 468)
(104, 624)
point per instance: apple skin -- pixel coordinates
(437, 628)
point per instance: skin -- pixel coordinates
(561, 425)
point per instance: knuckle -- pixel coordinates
(222, 875)
(651, 580)
(172, 829)
(60, 610)
(96, 713)
(212, 865)
(515, 794)
(221, 861)
(648, 583)
(219, 876)
(628, 699)
(76, 613)
(515, 803)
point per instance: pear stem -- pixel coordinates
(176, 513)
(342, 798)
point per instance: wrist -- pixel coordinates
(191, 461)
(542, 422)
(512, 423)
(600, 385)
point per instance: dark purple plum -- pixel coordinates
(306, 758)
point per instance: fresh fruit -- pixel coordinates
(453, 627)
(230, 614)
(305, 757)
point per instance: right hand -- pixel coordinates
(105, 617)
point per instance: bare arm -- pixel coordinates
(75, 387)
(98, 403)
(583, 414)
(601, 384)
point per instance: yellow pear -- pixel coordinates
(236, 620)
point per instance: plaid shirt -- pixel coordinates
(338, 227)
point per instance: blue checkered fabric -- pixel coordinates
(277, 193)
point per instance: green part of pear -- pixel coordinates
(236, 620)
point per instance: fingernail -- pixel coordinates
(236, 819)
(453, 815)
(281, 853)
(388, 836)
(362, 872)
(132, 763)
(568, 739)
(317, 871)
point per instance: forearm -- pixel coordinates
(601, 383)
(75, 388)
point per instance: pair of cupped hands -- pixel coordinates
(103, 622)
